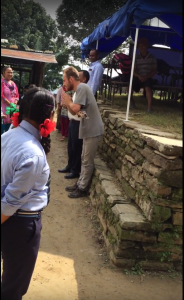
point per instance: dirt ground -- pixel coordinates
(72, 263)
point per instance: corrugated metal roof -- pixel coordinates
(33, 56)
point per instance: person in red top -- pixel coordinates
(9, 94)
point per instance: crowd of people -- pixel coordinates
(25, 173)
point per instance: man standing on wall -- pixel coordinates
(90, 130)
(95, 72)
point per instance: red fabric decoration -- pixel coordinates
(47, 127)
(15, 119)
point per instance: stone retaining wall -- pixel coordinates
(137, 191)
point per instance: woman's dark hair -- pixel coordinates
(31, 86)
(5, 68)
(37, 105)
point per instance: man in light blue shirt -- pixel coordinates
(24, 189)
(28, 170)
(95, 71)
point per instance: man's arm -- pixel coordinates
(4, 218)
(97, 78)
(18, 192)
(58, 96)
(74, 108)
(67, 101)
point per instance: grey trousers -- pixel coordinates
(89, 149)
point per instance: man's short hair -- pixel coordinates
(143, 41)
(97, 52)
(71, 71)
(32, 86)
(85, 74)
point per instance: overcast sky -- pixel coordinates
(50, 6)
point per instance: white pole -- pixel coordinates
(97, 45)
(132, 72)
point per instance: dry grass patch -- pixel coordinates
(165, 116)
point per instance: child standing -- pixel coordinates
(64, 120)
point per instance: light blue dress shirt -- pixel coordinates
(96, 73)
(24, 170)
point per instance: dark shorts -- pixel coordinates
(125, 77)
(137, 84)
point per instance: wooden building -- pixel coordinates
(27, 62)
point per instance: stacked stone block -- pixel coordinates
(137, 191)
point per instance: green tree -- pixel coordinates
(77, 19)
(26, 22)
(53, 77)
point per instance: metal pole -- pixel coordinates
(97, 45)
(132, 72)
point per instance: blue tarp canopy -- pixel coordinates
(112, 32)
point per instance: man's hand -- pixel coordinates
(3, 116)
(140, 78)
(143, 78)
(7, 101)
(4, 218)
(66, 100)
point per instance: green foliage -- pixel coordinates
(38, 44)
(172, 273)
(156, 226)
(136, 270)
(25, 79)
(52, 78)
(165, 256)
(111, 238)
(26, 22)
(79, 18)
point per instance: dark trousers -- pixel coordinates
(58, 124)
(20, 241)
(4, 127)
(95, 96)
(74, 147)
(64, 121)
(137, 84)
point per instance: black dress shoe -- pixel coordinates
(78, 194)
(71, 188)
(65, 170)
(71, 176)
